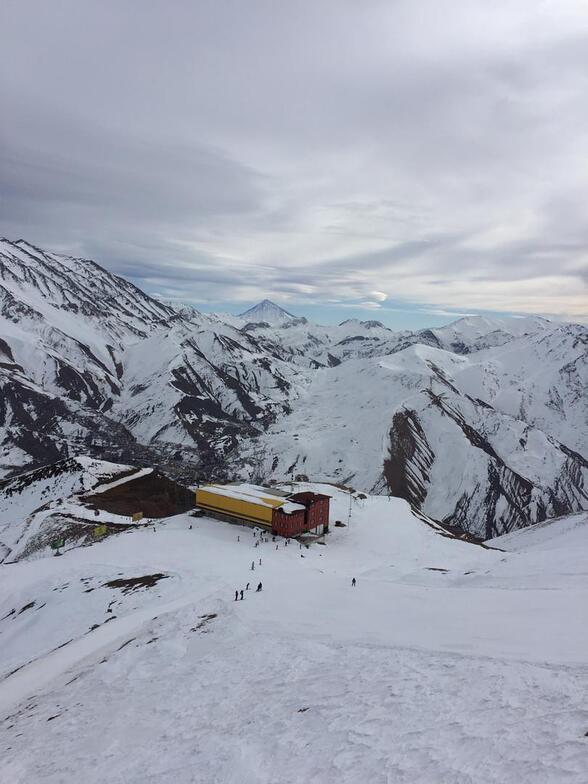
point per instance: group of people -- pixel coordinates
(262, 538)
(239, 594)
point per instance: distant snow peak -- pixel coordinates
(268, 312)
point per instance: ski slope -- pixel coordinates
(449, 662)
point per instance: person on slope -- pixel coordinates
(236, 595)
(241, 595)
(353, 583)
(259, 586)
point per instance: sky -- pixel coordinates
(404, 160)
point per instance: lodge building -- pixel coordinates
(281, 513)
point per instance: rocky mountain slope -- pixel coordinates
(92, 364)
(433, 427)
(482, 423)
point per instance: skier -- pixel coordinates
(241, 595)
(353, 583)
(247, 587)
(277, 547)
(252, 566)
(236, 595)
(259, 587)
(238, 538)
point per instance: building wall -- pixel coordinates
(288, 524)
(317, 508)
(246, 510)
(316, 515)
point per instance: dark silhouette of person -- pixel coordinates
(259, 586)
(241, 594)
(353, 582)
(236, 595)
(247, 587)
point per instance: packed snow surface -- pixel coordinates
(130, 661)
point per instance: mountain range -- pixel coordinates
(481, 424)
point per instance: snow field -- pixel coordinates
(476, 674)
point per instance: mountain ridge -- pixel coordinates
(481, 423)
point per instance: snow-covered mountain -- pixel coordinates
(315, 345)
(439, 430)
(482, 423)
(91, 363)
(267, 312)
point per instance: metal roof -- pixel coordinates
(255, 494)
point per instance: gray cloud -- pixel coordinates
(305, 151)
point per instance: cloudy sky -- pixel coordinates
(399, 160)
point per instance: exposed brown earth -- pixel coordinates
(154, 495)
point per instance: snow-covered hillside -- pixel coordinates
(482, 423)
(315, 345)
(130, 660)
(28, 501)
(477, 441)
(107, 369)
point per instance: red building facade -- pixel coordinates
(313, 517)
